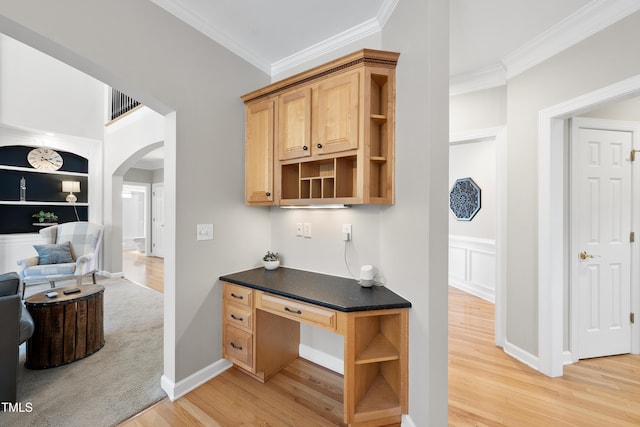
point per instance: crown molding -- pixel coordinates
(367, 28)
(484, 78)
(351, 35)
(385, 12)
(177, 9)
(585, 22)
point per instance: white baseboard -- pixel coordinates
(321, 358)
(522, 355)
(109, 275)
(567, 358)
(407, 421)
(193, 381)
(472, 266)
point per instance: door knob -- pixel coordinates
(585, 255)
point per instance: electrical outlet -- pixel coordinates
(306, 229)
(299, 231)
(346, 232)
(204, 232)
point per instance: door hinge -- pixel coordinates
(632, 317)
(632, 237)
(633, 155)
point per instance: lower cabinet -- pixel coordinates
(262, 334)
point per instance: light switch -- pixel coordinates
(299, 231)
(306, 229)
(204, 232)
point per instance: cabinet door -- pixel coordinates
(294, 124)
(336, 128)
(259, 152)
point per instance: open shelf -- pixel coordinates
(327, 179)
(380, 400)
(380, 349)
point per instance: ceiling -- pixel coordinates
(482, 32)
(488, 38)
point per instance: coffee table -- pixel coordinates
(67, 327)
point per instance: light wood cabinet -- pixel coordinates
(335, 134)
(336, 112)
(259, 136)
(375, 348)
(294, 124)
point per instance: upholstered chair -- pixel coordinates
(17, 327)
(69, 251)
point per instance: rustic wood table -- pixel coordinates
(67, 327)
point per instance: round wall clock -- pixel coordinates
(45, 158)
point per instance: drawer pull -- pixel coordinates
(234, 317)
(237, 296)
(237, 347)
(292, 311)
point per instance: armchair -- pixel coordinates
(70, 252)
(17, 327)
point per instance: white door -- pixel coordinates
(157, 215)
(601, 245)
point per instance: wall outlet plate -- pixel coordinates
(299, 229)
(346, 232)
(306, 229)
(204, 232)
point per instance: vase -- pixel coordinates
(271, 265)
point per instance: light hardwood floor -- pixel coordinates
(144, 270)
(486, 388)
(489, 388)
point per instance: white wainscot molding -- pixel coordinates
(472, 266)
(14, 247)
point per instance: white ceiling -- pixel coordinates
(483, 32)
(277, 33)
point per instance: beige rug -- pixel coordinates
(111, 385)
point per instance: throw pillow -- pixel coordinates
(54, 254)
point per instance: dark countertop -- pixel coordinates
(334, 292)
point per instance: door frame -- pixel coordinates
(155, 229)
(609, 125)
(552, 235)
(499, 134)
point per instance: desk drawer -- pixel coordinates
(296, 310)
(237, 294)
(238, 316)
(238, 346)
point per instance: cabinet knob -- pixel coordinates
(319, 145)
(268, 193)
(305, 148)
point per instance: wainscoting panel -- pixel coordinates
(14, 247)
(472, 266)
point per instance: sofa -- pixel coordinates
(16, 326)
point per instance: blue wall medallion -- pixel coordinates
(464, 199)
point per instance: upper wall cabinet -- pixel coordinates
(329, 135)
(259, 152)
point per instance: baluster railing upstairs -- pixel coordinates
(121, 104)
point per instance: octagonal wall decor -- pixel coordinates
(464, 199)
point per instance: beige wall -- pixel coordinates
(476, 160)
(478, 110)
(605, 58)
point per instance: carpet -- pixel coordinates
(109, 386)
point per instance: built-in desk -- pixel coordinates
(263, 310)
